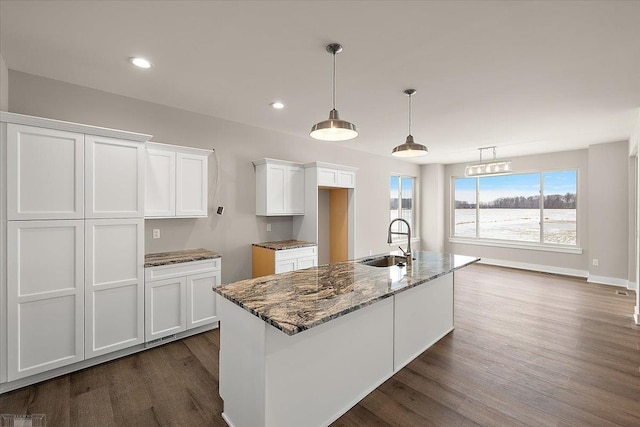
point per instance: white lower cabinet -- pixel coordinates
(114, 285)
(179, 297)
(45, 303)
(296, 259)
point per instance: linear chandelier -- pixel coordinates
(492, 168)
(334, 128)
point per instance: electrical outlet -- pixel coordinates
(596, 262)
(268, 227)
(156, 233)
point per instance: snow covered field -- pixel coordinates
(518, 224)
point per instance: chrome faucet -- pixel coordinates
(406, 253)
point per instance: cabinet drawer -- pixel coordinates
(296, 253)
(181, 269)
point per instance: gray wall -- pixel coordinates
(4, 85)
(563, 160)
(432, 202)
(604, 215)
(236, 146)
(609, 209)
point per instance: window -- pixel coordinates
(402, 202)
(535, 207)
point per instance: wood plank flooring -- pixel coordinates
(529, 349)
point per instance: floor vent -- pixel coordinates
(623, 293)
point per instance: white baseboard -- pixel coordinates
(632, 286)
(611, 281)
(536, 267)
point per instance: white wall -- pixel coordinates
(4, 85)
(236, 146)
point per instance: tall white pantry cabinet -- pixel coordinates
(72, 243)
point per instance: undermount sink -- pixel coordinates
(385, 261)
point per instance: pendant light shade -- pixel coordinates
(334, 128)
(409, 148)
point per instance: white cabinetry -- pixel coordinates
(279, 187)
(45, 173)
(176, 182)
(179, 297)
(296, 259)
(74, 244)
(114, 292)
(336, 176)
(114, 171)
(46, 298)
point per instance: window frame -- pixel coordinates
(520, 244)
(395, 239)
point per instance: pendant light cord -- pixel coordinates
(409, 114)
(334, 81)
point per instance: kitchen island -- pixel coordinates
(301, 348)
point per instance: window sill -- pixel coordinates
(518, 245)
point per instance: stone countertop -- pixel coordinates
(187, 255)
(284, 244)
(302, 299)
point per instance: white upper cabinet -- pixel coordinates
(114, 178)
(330, 175)
(45, 173)
(279, 187)
(176, 181)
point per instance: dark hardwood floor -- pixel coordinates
(529, 349)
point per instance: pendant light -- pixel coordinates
(334, 129)
(409, 148)
(489, 168)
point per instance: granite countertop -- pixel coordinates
(187, 255)
(300, 300)
(284, 244)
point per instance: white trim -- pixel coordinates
(330, 166)
(604, 280)
(72, 127)
(182, 148)
(536, 267)
(632, 286)
(519, 245)
(636, 315)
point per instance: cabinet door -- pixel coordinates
(114, 285)
(201, 300)
(295, 190)
(346, 179)
(45, 173)
(328, 177)
(114, 178)
(286, 266)
(191, 185)
(276, 193)
(307, 262)
(160, 183)
(45, 296)
(165, 307)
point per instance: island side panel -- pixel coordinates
(314, 377)
(423, 315)
(241, 369)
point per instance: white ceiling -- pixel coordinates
(529, 77)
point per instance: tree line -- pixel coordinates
(552, 201)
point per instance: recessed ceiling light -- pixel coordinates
(140, 62)
(277, 105)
